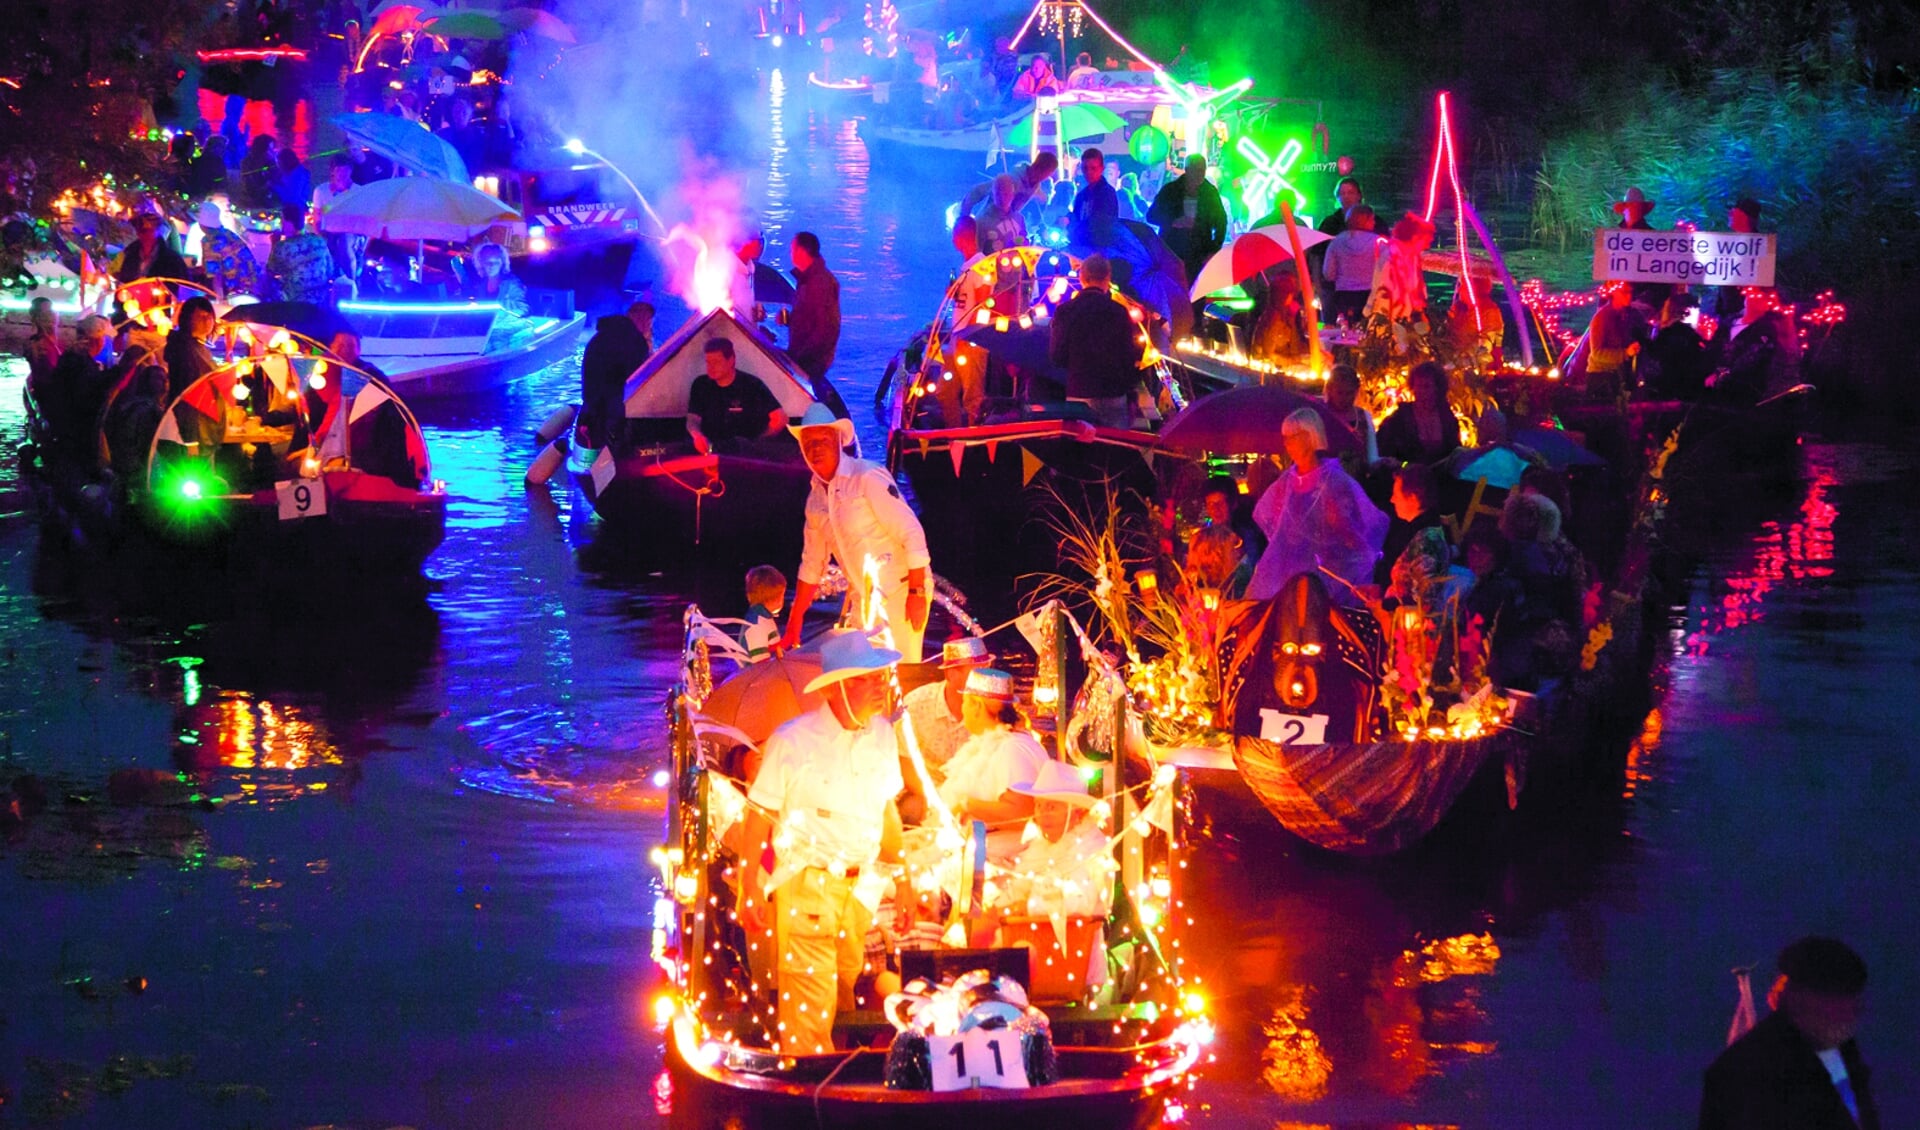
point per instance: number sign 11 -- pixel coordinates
(977, 1058)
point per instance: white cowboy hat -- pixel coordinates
(1058, 781)
(819, 415)
(847, 655)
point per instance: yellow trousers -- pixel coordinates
(820, 933)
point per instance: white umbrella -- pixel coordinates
(416, 208)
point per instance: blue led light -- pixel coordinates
(358, 307)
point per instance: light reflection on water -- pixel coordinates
(404, 877)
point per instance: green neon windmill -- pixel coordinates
(1267, 176)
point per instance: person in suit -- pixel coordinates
(1800, 1068)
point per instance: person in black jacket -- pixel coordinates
(1800, 1068)
(1097, 343)
(1191, 219)
(1675, 363)
(150, 255)
(1424, 430)
(187, 355)
(621, 344)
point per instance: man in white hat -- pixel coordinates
(855, 515)
(1065, 868)
(1065, 865)
(822, 810)
(938, 721)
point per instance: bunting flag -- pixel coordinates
(996, 145)
(924, 447)
(603, 470)
(1028, 625)
(1029, 466)
(365, 401)
(958, 453)
(993, 450)
(1159, 810)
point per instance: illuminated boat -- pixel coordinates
(1123, 1052)
(583, 223)
(980, 487)
(656, 483)
(303, 463)
(1342, 761)
(73, 298)
(440, 349)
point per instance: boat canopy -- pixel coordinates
(659, 388)
(263, 420)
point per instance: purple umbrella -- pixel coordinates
(1246, 421)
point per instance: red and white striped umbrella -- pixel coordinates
(1249, 254)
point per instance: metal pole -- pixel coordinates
(1064, 710)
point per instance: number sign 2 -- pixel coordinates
(301, 498)
(1293, 729)
(977, 1058)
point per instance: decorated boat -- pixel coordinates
(985, 451)
(441, 349)
(1012, 1034)
(653, 481)
(281, 454)
(299, 461)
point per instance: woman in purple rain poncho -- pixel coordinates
(1316, 516)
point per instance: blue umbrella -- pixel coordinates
(1500, 467)
(1556, 447)
(404, 143)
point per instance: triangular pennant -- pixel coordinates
(924, 445)
(1029, 466)
(1147, 457)
(993, 450)
(958, 453)
(604, 469)
(366, 400)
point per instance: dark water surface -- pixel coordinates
(420, 896)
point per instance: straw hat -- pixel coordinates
(819, 415)
(848, 655)
(1057, 781)
(985, 682)
(967, 651)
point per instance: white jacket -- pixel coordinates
(857, 515)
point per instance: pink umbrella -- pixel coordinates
(1249, 254)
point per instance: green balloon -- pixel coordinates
(1148, 145)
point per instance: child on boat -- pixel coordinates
(766, 596)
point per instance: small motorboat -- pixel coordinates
(441, 349)
(655, 482)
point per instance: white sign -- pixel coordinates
(301, 498)
(977, 1058)
(603, 470)
(1293, 729)
(1699, 258)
